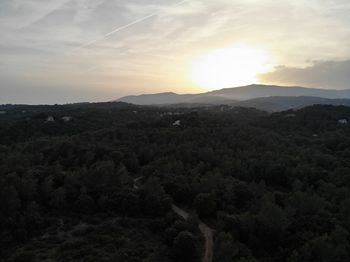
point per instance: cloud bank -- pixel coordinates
(326, 74)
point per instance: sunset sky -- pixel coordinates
(59, 51)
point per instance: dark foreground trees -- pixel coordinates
(274, 188)
(185, 245)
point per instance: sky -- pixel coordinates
(64, 51)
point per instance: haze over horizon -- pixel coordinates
(83, 50)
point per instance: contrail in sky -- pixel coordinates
(128, 25)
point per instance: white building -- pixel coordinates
(50, 119)
(177, 123)
(66, 118)
(343, 121)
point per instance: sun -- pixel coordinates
(228, 67)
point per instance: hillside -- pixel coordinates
(114, 181)
(256, 91)
(229, 95)
(172, 98)
(281, 103)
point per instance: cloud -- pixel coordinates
(152, 43)
(324, 74)
(25, 13)
(85, 9)
(130, 24)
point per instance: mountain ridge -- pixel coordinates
(282, 103)
(229, 95)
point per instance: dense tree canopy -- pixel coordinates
(99, 187)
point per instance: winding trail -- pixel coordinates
(207, 232)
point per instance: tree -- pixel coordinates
(85, 203)
(58, 199)
(24, 256)
(9, 201)
(155, 201)
(46, 188)
(185, 246)
(225, 248)
(205, 204)
(272, 221)
(33, 217)
(116, 157)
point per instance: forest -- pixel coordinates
(98, 182)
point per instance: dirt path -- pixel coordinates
(207, 232)
(180, 212)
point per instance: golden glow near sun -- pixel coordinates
(229, 67)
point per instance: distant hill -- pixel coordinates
(230, 95)
(155, 99)
(256, 91)
(281, 103)
(172, 98)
